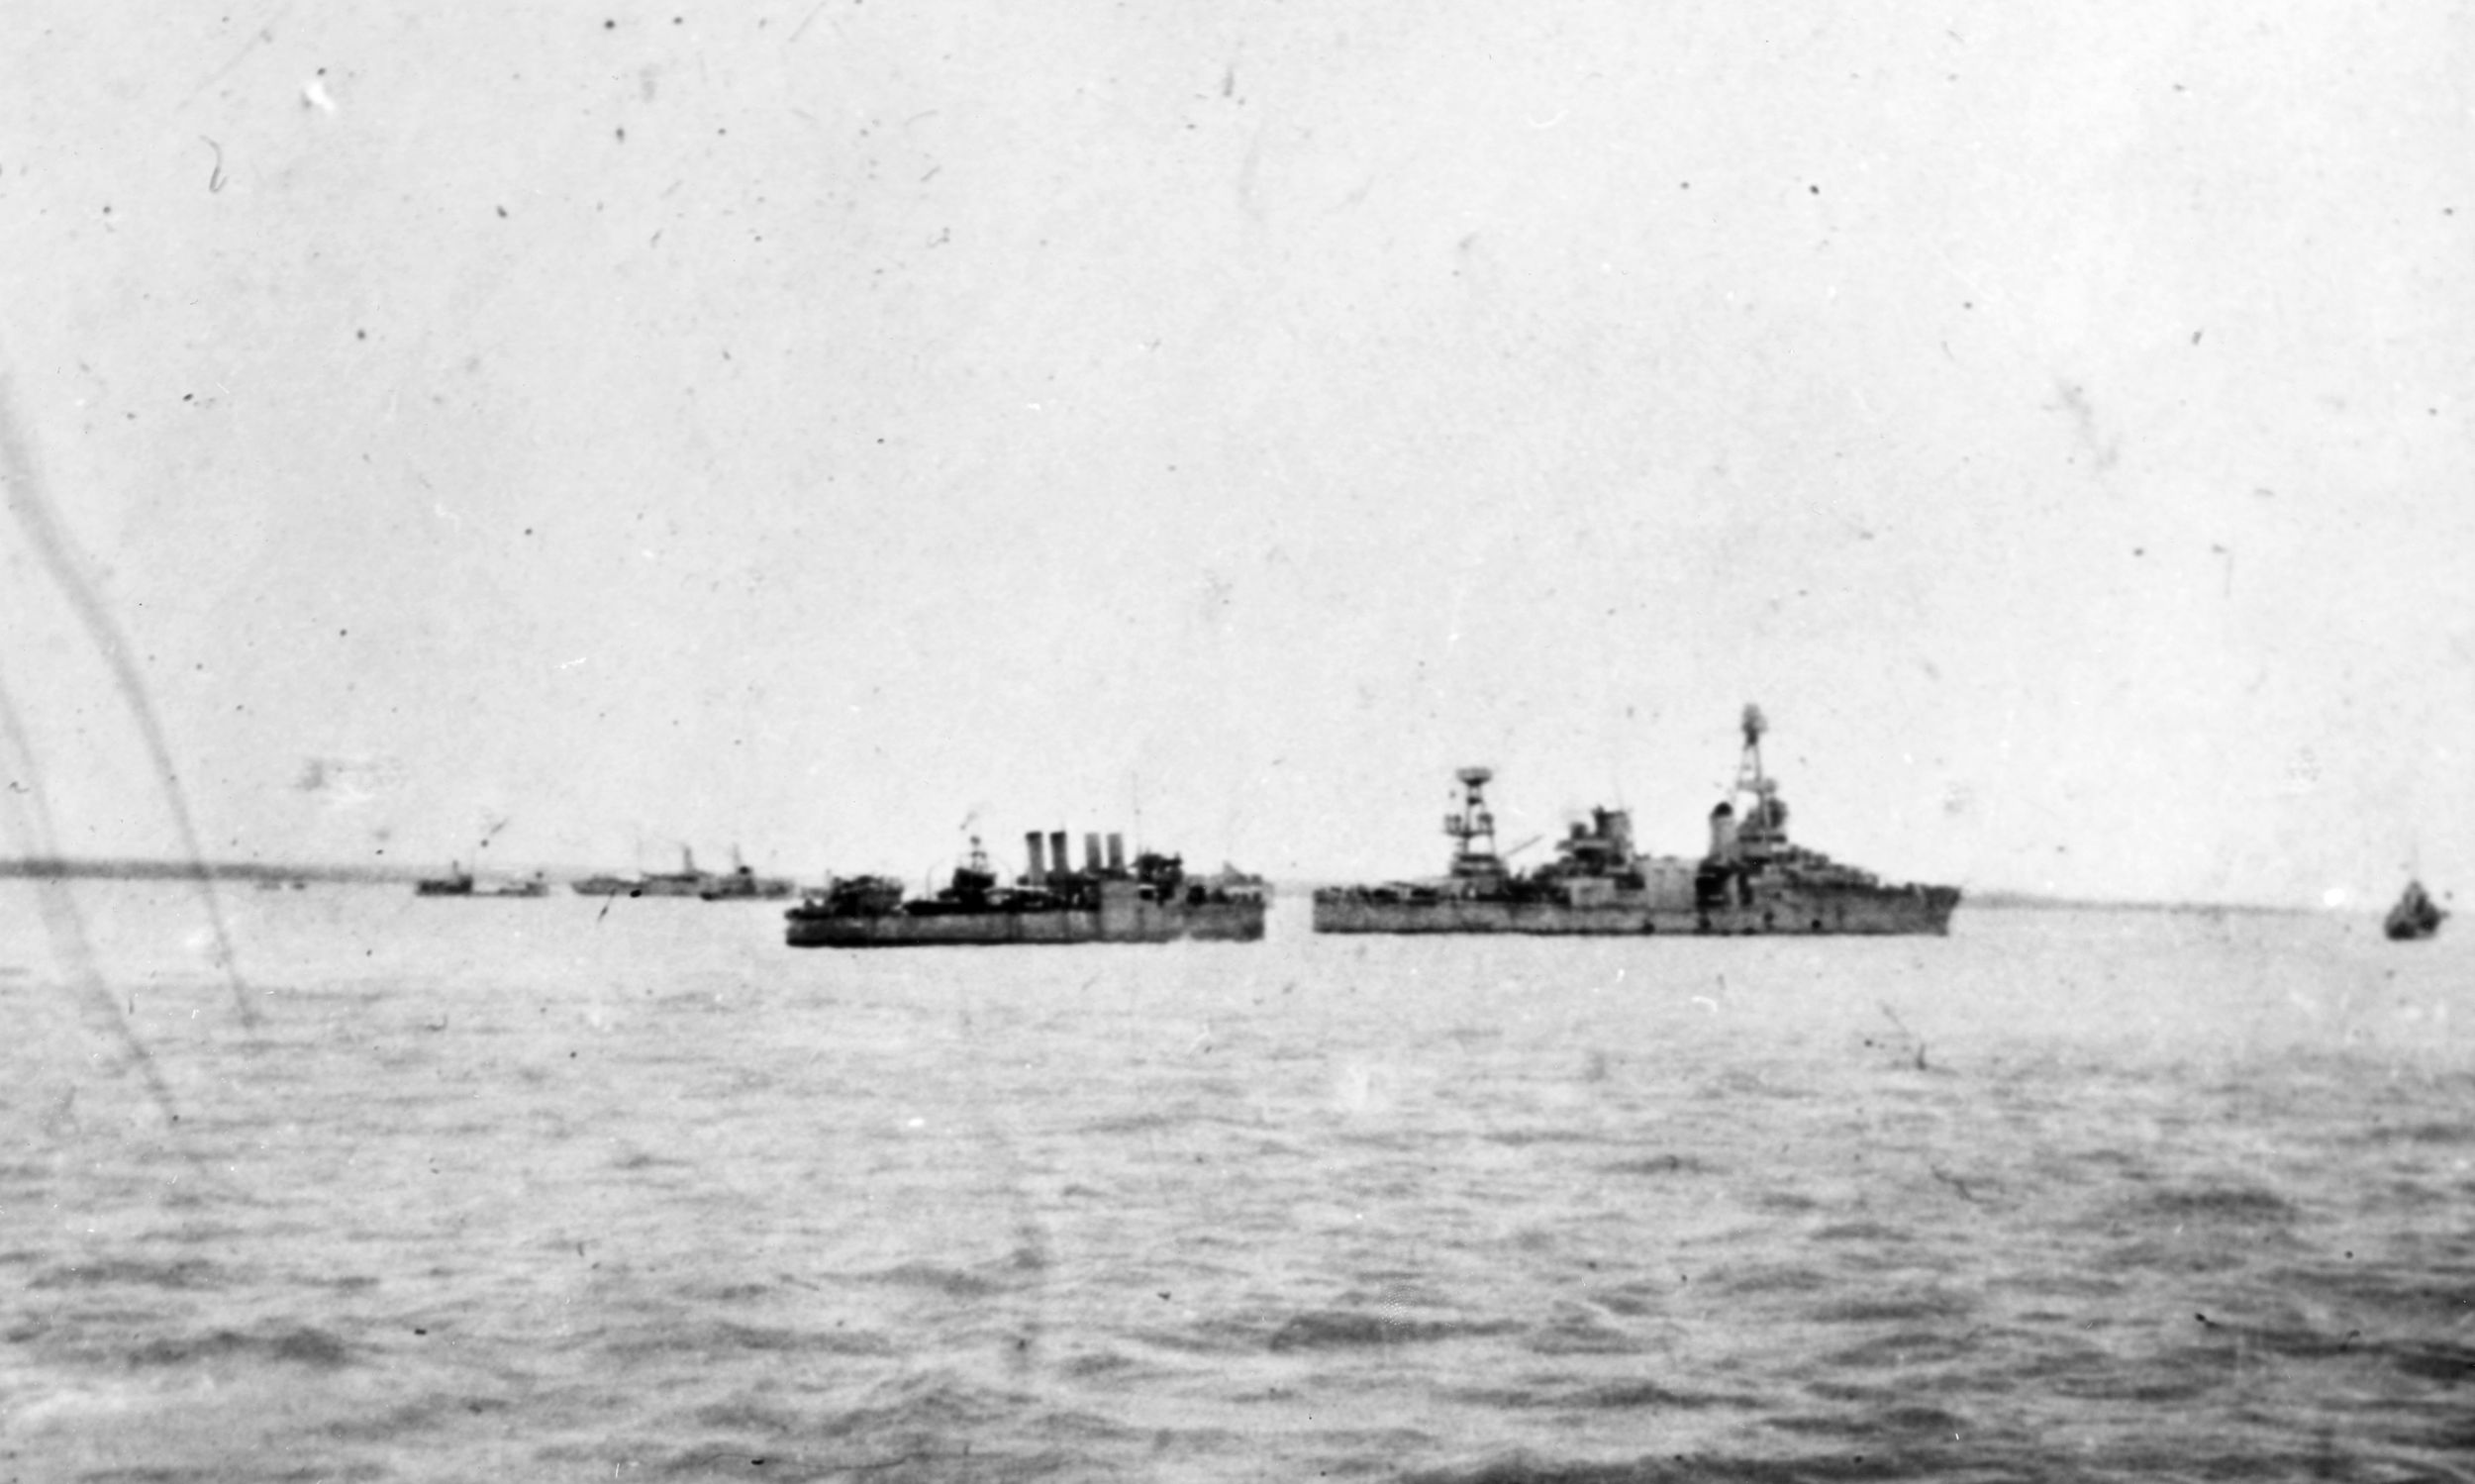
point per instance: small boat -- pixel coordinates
(2415, 916)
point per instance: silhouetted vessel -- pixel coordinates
(2415, 916)
(687, 881)
(458, 882)
(1152, 900)
(740, 884)
(1751, 880)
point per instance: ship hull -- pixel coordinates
(1916, 911)
(650, 886)
(666, 886)
(1131, 922)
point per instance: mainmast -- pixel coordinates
(1473, 829)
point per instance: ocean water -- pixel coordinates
(533, 1190)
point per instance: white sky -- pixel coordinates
(809, 426)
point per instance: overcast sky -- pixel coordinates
(830, 428)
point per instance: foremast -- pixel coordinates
(1762, 831)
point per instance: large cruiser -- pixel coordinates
(1150, 900)
(1751, 879)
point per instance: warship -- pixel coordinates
(1150, 900)
(2417, 915)
(1750, 880)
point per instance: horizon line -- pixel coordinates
(159, 868)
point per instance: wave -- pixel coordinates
(1613, 1396)
(1337, 1328)
(2225, 1205)
(1661, 1164)
(189, 1273)
(1527, 1467)
(284, 1344)
(954, 1283)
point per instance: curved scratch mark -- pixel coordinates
(264, 34)
(31, 817)
(215, 177)
(59, 557)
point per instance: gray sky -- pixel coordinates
(815, 426)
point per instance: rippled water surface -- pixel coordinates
(523, 1190)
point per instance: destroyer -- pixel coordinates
(1151, 901)
(1752, 879)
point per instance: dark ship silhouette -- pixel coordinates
(1752, 879)
(459, 882)
(687, 881)
(741, 884)
(2415, 916)
(738, 884)
(1152, 900)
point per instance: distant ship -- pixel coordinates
(740, 884)
(687, 881)
(458, 882)
(1152, 900)
(2415, 916)
(1751, 879)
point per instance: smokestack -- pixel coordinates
(1031, 848)
(1117, 854)
(1723, 832)
(1059, 861)
(1091, 852)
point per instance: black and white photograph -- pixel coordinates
(901, 741)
